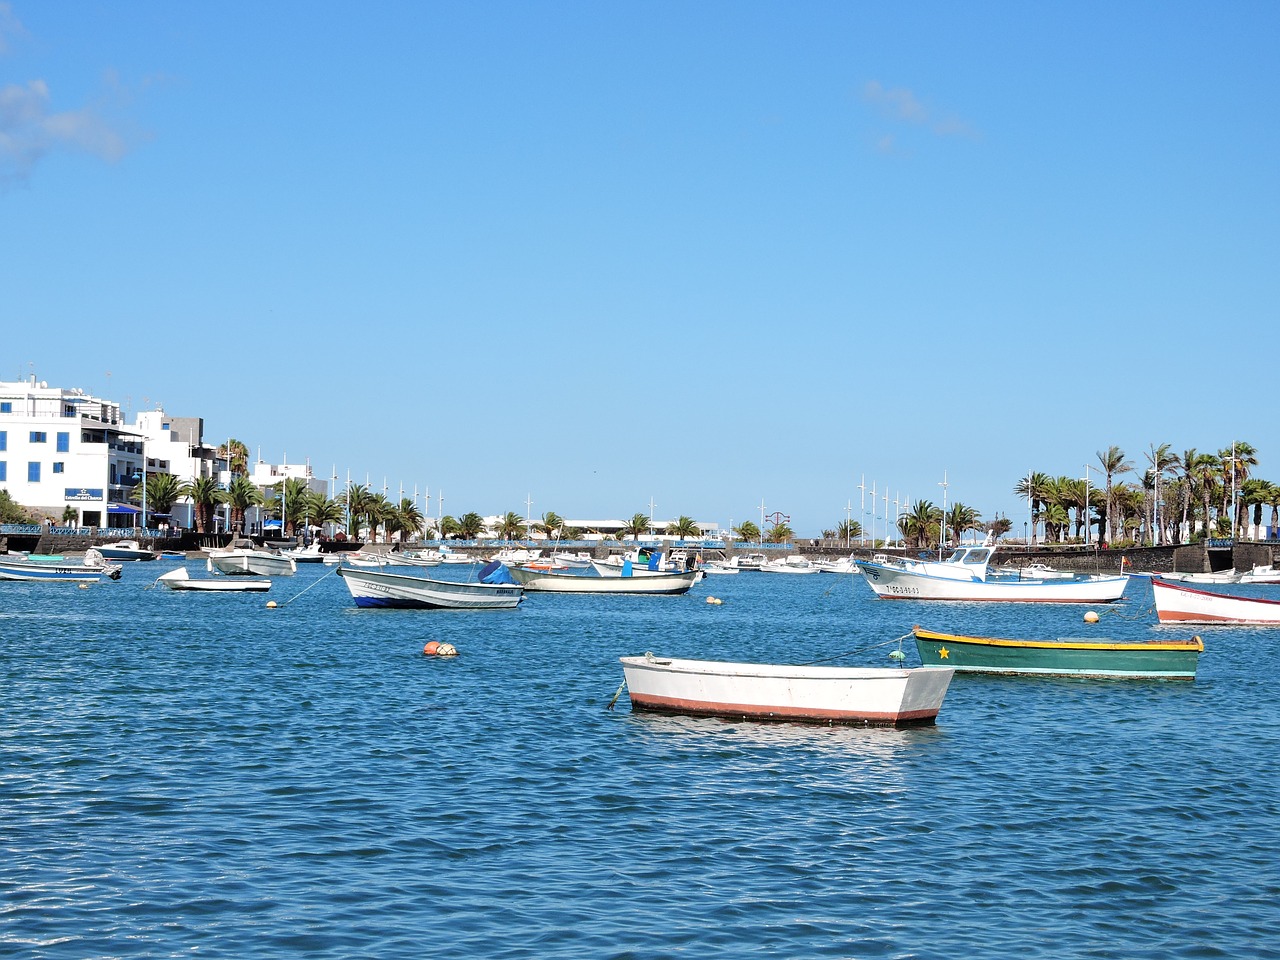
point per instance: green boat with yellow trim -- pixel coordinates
(1095, 659)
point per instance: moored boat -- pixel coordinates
(872, 696)
(180, 579)
(967, 575)
(719, 568)
(1207, 579)
(1085, 658)
(125, 550)
(649, 583)
(360, 558)
(311, 553)
(243, 558)
(847, 564)
(1261, 573)
(91, 569)
(792, 565)
(418, 558)
(1179, 603)
(378, 588)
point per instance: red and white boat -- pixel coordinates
(869, 696)
(1179, 603)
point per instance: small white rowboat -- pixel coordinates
(179, 579)
(869, 696)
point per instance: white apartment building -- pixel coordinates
(64, 448)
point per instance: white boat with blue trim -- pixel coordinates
(21, 566)
(870, 696)
(968, 575)
(378, 588)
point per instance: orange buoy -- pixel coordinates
(430, 649)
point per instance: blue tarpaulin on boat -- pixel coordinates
(495, 571)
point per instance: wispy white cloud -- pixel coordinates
(9, 26)
(30, 130)
(901, 104)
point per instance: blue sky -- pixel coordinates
(699, 254)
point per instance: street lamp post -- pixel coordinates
(1087, 505)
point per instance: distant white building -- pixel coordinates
(64, 448)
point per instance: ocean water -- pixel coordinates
(188, 775)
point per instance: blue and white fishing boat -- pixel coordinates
(18, 566)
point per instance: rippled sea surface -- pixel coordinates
(195, 775)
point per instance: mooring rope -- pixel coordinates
(849, 653)
(618, 694)
(335, 569)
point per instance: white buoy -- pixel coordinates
(1090, 617)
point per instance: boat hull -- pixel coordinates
(56, 572)
(377, 588)
(1178, 603)
(179, 579)
(253, 564)
(125, 550)
(1156, 660)
(892, 583)
(865, 696)
(651, 584)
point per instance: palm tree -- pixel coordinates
(511, 527)
(1161, 460)
(69, 515)
(204, 494)
(1254, 493)
(1037, 489)
(1071, 494)
(1196, 468)
(848, 531)
(1236, 461)
(960, 519)
(1128, 502)
(779, 533)
(240, 495)
(379, 511)
(1113, 463)
(409, 518)
(1274, 502)
(922, 524)
(637, 526)
(550, 524)
(448, 527)
(319, 511)
(683, 528)
(163, 491)
(747, 531)
(356, 501)
(237, 456)
(470, 526)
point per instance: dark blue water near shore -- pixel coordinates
(186, 775)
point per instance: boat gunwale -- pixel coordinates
(1195, 643)
(786, 671)
(408, 578)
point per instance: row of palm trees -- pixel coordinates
(357, 510)
(1174, 499)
